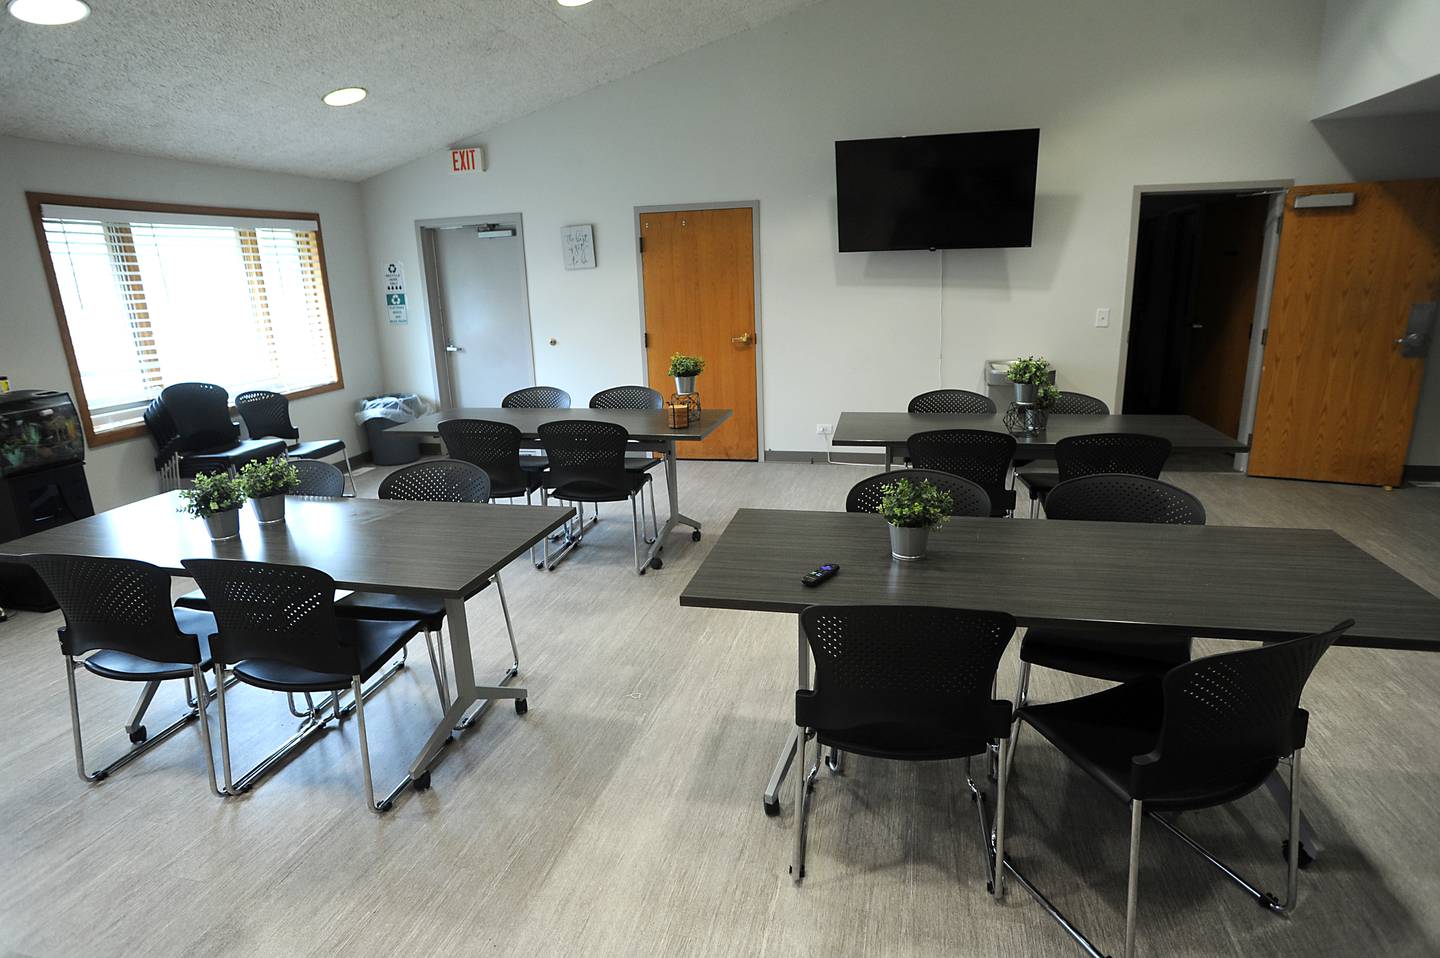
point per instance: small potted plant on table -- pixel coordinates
(685, 368)
(266, 482)
(912, 511)
(216, 498)
(1028, 375)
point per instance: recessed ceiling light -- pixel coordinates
(573, 3)
(48, 13)
(345, 96)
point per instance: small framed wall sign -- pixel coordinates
(577, 245)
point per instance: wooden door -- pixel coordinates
(1337, 398)
(698, 272)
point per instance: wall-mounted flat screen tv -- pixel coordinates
(952, 191)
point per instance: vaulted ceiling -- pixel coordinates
(240, 82)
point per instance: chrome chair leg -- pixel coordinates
(203, 696)
(348, 472)
(1132, 888)
(1292, 875)
(388, 802)
(139, 747)
(835, 761)
(1022, 696)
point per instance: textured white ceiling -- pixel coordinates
(240, 83)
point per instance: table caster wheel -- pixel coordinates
(422, 783)
(522, 706)
(695, 536)
(139, 735)
(1306, 859)
(657, 563)
(772, 807)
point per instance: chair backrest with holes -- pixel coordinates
(969, 498)
(537, 397)
(319, 479)
(887, 664)
(627, 397)
(200, 413)
(1128, 452)
(1122, 498)
(118, 604)
(979, 455)
(493, 446)
(266, 414)
(1233, 714)
(1078, 404)
(952, 402)
(279, 612)
(438, 480)
(584, 451)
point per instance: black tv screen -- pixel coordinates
(953, 191)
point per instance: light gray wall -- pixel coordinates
(1127, 92)
(30, 350)
(1372, 48)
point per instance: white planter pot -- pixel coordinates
(907, 543)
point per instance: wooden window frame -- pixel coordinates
(94, 437)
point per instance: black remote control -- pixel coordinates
(813, 579)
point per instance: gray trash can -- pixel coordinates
(381, 413)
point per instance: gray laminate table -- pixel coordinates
(443, 549)
(1216, 581)
(892, 430)
(649, 430)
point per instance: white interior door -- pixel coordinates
(484, 312)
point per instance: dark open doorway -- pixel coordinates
(1198, 273)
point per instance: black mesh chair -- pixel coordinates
(495, 448)
(267, 414)
(907, 683)
(1207, 733)
(435, 480)
(319, 479)
(192, 430)
(1104, 452)
(633, 397)
(952, 402)
(277, 630)
(587, 464)
(537, 397)
(1112, 654)
(118, 610)
(968, 497)
(979, 455)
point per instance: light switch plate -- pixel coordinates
(1102, 318)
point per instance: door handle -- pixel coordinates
(452, 348)
(1410, 339)
(744, 339)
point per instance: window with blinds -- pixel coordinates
(151, 297)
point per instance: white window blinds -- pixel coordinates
(152, 299)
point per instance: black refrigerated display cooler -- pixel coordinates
(42, 482)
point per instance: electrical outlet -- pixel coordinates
(1102, 318)
(822, 428)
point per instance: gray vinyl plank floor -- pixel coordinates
(621, 816)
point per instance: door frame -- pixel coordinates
(424, 237)
(754, 207)
(1269, 259)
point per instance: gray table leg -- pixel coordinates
(1280, 791)
(672, 489)
(771, 797)
(467, 693)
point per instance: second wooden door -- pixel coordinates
(698, 270)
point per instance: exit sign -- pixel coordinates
(468, 159)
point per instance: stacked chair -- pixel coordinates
(267, 415)
(192, 430)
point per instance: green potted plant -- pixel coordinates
(266, 482)
(685, 368)
(912, 511)
(216, 498)
(1028, 375)
(1038, 412)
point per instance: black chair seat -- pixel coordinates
(429, 611)
(1103, 732)
(377, 643)
(246, 450)
(114, 664)
(1116, 656)
(638, 462)
(534, 463)
(1039, 483)
(582, 490)
(505, 490)
(924, 742)
(1002, 501)
(316, 449)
